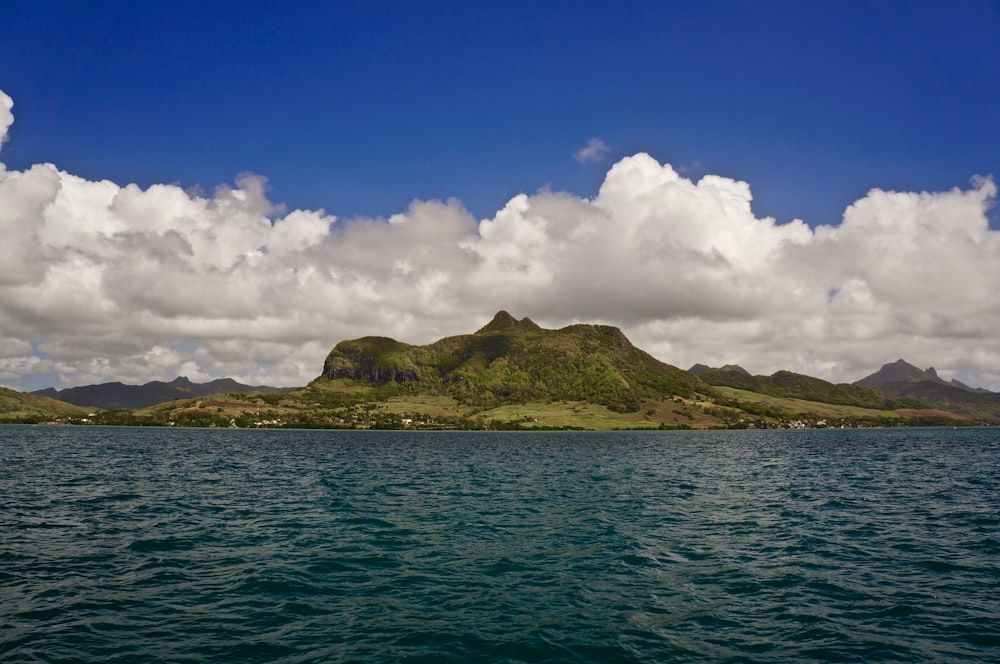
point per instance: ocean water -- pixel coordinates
(195, 545)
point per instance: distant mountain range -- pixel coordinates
(110, 396)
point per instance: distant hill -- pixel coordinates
(901, 380)
(946, 397)
(109, 396)
(23, 407)
(902, 371)
(516, 361)
(787, 384)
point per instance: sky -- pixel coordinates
(228, 189)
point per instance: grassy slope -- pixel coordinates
(798, 386)
(794, 407)
(345, 403)
(572, 414)
(21, 407)
(947, 397)
(801, 408)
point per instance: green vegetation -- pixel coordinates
(30, 408)
(785, 410)
(510, 361)
(981, 405)
(798, 386)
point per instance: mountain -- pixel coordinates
(23, 407)
(902, 371)
(516, 361)
(901, 380)
(111, 396)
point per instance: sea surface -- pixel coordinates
(200, 545)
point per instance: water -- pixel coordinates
(138, 545)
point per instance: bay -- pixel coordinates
(197, 545)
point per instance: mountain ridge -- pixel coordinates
(115, 395)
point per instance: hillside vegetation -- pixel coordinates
(947, 397)
(798, 386)
(21, 407)
(516, 361)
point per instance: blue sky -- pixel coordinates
(316, 171)
(361, 107)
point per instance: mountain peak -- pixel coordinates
(899, 371)
(504, 321)
(700, 369)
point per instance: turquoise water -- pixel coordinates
(138, 545)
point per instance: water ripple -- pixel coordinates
(210, 546)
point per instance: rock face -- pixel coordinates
(376, 360)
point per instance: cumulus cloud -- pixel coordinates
(594, 150)
(101, 282)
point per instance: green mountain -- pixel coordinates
(111, 396)
(515, 361)
(23, 407)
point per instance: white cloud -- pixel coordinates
(102, 282)
(594, 150)
(6, 117)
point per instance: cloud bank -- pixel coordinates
(101, 282)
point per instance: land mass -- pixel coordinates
(514, 374)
